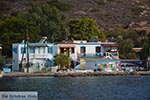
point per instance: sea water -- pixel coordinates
(82, 88)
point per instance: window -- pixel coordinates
(62, 50)
(39, 50)
(32, 50)
(44, 50)
(23, 50)
(98, 49)
(82, 49)
(72, 50)
(50, 49)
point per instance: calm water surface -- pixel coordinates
(83, 88)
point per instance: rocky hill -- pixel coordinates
(109, 14)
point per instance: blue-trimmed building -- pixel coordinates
(40, 56)
(89, 49)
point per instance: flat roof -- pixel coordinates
(39, 44)
(90, 43)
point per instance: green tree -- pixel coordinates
(13, 30)
(125, 49)
(143, 37)
(84, 29)
(62, 60)
(145, 51)
(126, 34)
(50, 20)
(17, 26)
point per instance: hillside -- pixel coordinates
(109, 14)
(126, 22)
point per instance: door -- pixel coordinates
(83, 50)
(98, 51)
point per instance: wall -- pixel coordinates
(90, 47)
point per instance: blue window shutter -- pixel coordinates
(50, 50)
(23, 50)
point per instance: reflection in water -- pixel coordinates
(82, 88)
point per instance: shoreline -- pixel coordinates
(75, 74)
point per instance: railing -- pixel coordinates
(98, 55)
(41, 56)
(111, 55)
(89, 55)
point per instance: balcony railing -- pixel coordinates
(41, 56)
(89, 55)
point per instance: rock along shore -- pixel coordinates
(74, 74)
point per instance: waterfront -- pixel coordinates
(82, 88)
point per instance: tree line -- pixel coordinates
(49, 19)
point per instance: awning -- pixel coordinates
(67, 45)
(137, 50)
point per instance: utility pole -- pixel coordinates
(27, 43)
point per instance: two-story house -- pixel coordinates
(40, 55)
(89, 49)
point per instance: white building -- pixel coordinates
(40, 55)
(89, 49)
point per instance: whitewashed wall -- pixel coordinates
(90, 47)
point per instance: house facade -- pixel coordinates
(89, 49)
(66, 48)
(40, 55)
(110, 50)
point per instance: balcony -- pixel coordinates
(36, 56)
(90, 55)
